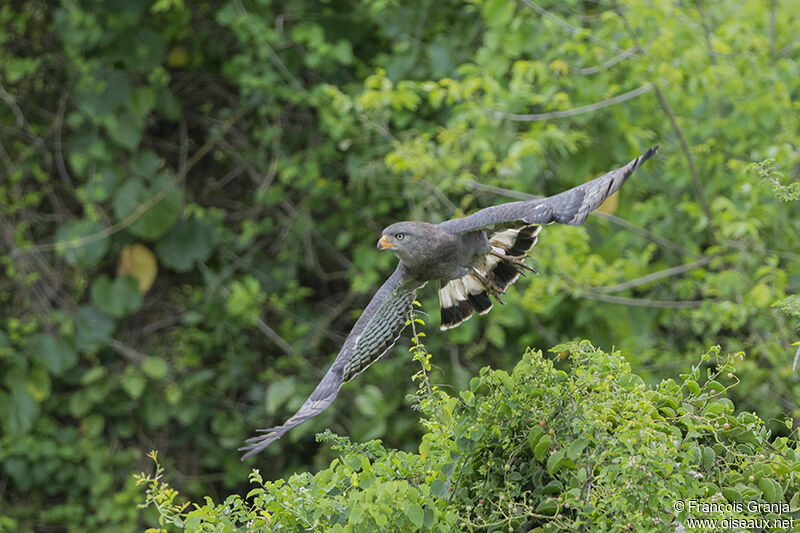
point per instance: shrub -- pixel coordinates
(592, 449)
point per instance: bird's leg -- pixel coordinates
(520, 263)
(490, 286)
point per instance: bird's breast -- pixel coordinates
(451, 257)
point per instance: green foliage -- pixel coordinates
(536, 449)
(255, 149)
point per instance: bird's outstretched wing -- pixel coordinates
(374, 333)
(569, 207)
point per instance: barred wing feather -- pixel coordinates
(374, 333)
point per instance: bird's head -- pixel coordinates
(405, 239)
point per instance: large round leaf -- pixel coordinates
(81, 242)
(117, 298)
(155, 208)
(138, 261)
(186, 243)
(55, 354)
(93, 329)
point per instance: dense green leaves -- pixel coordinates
(607, 436)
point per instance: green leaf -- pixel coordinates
(576, 447)
(124, 129)
(438, 488)
(355, 513)
(39, 383)
(20, 413)
(155, 209)
(554, 460)
(708, 457)
(117, 298)
(56, 354)
(414, 513)
(353, 461)
(93, 329)
(190, 241)
(542, 447)
(93, 374)
(772, 490)
(105, 96)
(498, 13)
(145, 164)
(278, 392)
(155, 367)
(81, 242)
(133, 382)
(732, 495)
(534, 435)
(693, 387)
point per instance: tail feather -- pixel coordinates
(490, 275)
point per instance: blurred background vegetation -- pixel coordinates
(191, 192)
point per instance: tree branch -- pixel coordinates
(667, 272)
(532, 117)
(644, 302)
(630, 52)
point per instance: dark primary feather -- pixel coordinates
(569, 207)
(373, 334)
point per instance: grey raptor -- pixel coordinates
(473, 258)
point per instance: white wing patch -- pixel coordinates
(490, 274)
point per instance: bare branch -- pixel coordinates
(667, 272)
(127, 352)
(532, 117)
(630, 52)
(644, 302)
(712, 55)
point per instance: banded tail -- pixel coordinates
(491, 274)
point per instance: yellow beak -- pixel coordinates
(384, 244)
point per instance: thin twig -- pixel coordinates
(419, 347)
(712, 55)
(644, 302)
(532, 117)
(60, 163)
(667, 272)
(585, 71)
(698, 186)
(127, 352)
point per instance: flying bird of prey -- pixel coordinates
(474, 259)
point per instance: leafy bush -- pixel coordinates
(536, 449)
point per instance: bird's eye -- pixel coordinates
(399, 236)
